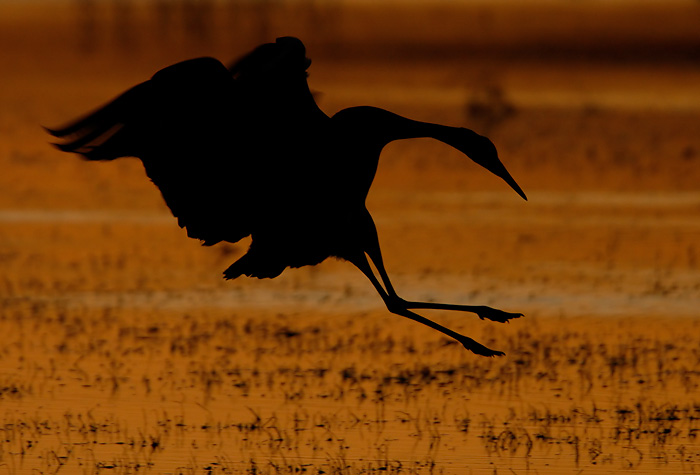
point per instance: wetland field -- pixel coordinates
(123, 350)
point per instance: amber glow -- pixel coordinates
(124, 351)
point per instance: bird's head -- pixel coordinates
(483, 152)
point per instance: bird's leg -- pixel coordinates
(482, 311)
(397, 306)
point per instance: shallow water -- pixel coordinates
(585, 287)
(130, 355)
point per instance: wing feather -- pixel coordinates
(215, 141)
(181, 124)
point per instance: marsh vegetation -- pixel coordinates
(131, 389)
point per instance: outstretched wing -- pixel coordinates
(207, 136)
(179, 124)
(188, 96)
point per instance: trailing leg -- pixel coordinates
(483, 312)
(397, 306)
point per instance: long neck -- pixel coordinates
(365, 131)
(379, 127)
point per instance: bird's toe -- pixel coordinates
(478, 348)
(495, 315)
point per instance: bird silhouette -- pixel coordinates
(245, 151)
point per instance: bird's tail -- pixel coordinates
(255, 264)
(101, 135)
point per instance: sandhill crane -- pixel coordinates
(246, 151)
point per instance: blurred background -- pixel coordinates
(110, 312)
(594, 107)
(556, 29)
(506, 68)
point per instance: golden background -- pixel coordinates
(125, 352)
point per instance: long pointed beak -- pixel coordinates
(509, 179)
(497, 168)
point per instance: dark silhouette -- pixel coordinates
(245, 151)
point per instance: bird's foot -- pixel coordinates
(495, 315)
(478, 348)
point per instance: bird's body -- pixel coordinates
(245, 151)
